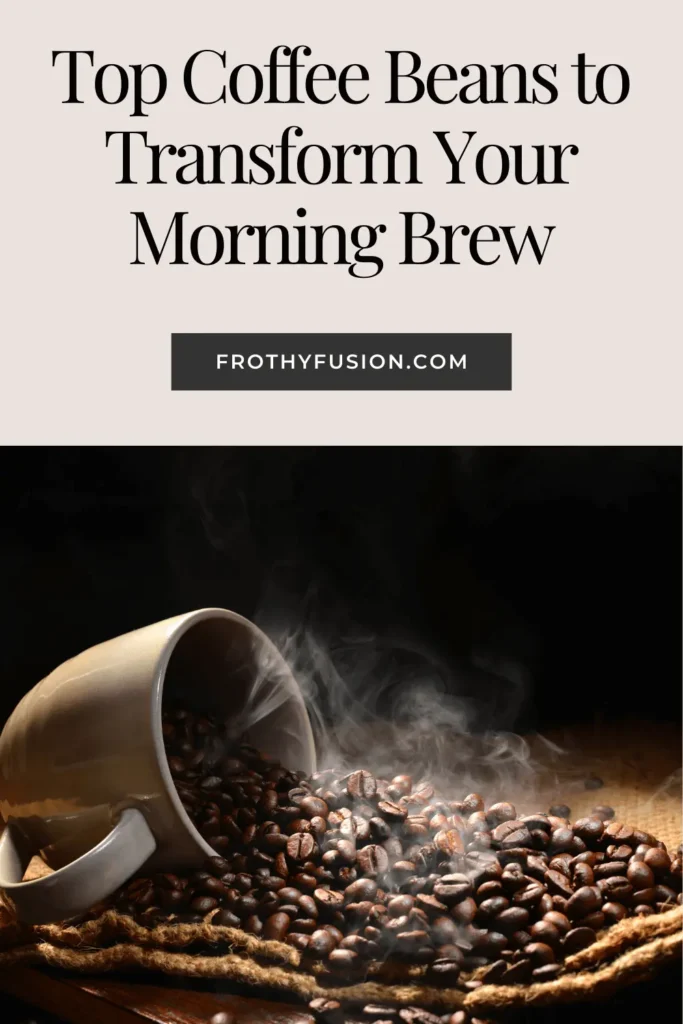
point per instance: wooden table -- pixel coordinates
(110, 999)
(116, 999)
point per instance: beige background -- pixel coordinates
(596, 329)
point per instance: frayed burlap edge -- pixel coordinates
(628, 952)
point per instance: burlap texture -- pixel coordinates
(641, 775)
(631, 951)
(639, 765)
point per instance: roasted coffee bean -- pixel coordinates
(513, 919)
(589, 829)
(218, 866)
(377, 1012)
(402, 784)
(513, 878)
(362, 889)
(518, 973)
(518, 940)
(585, 900)
(545, 931)
(307, 925)
(328, 898)
(540, 953)
(489, 943)
(299, 825)
(327, 1011)
(444, 931)
(380, 829)
(212, 887)
(429, 905)
(344, 961)
(307, 906)
(640, 875)
(558, 884)
(488, 889)
(408, 942)
(400, 905)
(608, 868)
(464, 911)
(321, 944)
(392, 811)
(494, 974)
(547, 972)
(561, 840)
(500, 812)
(658, 861)
(560, 811)
(577, 939)
(539, 829)
(361, 785)
(583, 874)
(414, 1015)
(225, 919)
(361, 945)
(616, 887)
(373, 860)
(313, 807)
(203, 904)
(617, 833)
(545, 905)
(665, 894)
(222, 1017)
(246, 905)
(604, 812)
(536, 866)
(506, 828)
(590, 857)
(345, 853)
(619, 852)
(613, 912)
(449, 842)
(529, 896)
(488, 909)
(253, 924)
(444, 971)
(300, 846)
(276, 926)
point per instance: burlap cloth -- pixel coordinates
(640, 771)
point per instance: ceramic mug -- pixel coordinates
(84, 779)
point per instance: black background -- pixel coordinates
(565, 562)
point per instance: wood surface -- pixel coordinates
(117, 1000)
(159, 999)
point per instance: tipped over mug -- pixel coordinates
(84, 780)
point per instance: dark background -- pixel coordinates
(562, 565)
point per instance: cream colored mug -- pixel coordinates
(84, 779)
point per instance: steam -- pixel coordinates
(377, 700)
(387, 704)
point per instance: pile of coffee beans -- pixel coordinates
(352, 869)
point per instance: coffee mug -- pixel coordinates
(84, 779)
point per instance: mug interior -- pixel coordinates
(224, 665)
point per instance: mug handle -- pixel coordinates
(73, 889)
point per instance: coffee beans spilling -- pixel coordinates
(351, 869)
